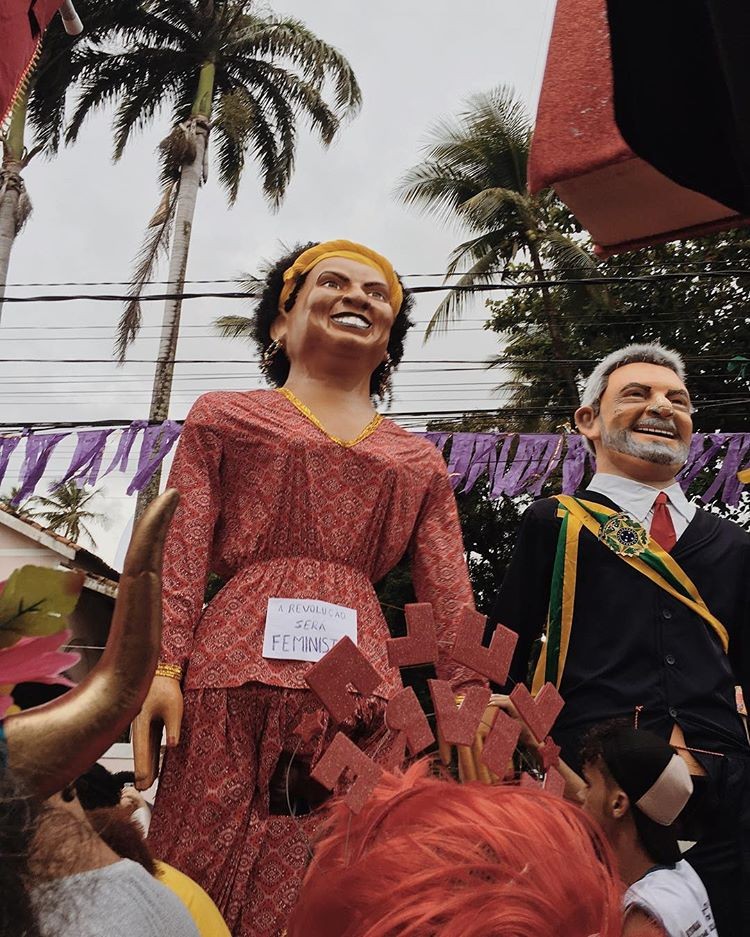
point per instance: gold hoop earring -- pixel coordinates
(266, 360)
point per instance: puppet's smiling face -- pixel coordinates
(643, 427)
(343, 308)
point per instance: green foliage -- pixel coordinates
(489, 530)
(214, 584)
(56, 70)
(267, 74)
(474, 174)
(36, 601)
(67, 510)
(702, 315)
(22, 509)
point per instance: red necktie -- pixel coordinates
(662, 528)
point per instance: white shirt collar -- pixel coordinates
(638, 499)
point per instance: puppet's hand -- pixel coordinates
(526, 740)
(162, 707)
(466, 767)
(469, 758)
(470, 764)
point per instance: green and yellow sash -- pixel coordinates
(651, 560)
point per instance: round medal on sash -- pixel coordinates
(623, 535)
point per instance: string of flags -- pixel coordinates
(512, 463)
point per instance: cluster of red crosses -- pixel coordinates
(346, 665)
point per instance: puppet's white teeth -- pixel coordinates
(356, 321)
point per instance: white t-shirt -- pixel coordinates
(675, 897)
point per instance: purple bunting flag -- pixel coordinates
(87, 457)
(514, 464)
(36, 457)
(120, 461)
(156, 443)
(7, 448)
(577, 459)
(727, 476)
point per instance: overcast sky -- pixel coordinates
(416, 62)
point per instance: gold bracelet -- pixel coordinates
(169, 670)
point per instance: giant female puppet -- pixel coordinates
(303, 492)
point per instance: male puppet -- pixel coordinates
(644, 601)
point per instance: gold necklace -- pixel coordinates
(306, 411)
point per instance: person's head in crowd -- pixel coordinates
(427, 856)
(18, 822)
(635, 413)
(116, 827)
(99, 787)
(332, 300)
(636, 788)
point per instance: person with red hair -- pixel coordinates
(428, 856)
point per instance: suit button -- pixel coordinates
(673, 712)
(670, 659)
(666, 613)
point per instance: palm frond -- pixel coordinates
(567, 257)
(435, 188)
(454, 303)
(289, 40)
(138, 107)
(252, 286)
(569, 260)
(156, 244)
(234, 326)
(67, 510)
(498, 247)
(493, 207)
(485, 147)
(146, 75)
(278, 99)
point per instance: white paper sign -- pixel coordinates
(306, 629)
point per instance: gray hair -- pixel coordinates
(652, 353)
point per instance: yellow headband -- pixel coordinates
(309, 258)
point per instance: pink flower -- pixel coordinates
(37, 659)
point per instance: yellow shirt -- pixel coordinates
(203, 911)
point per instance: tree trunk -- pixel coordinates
(11, 189)
(190, 178)
(559, 346)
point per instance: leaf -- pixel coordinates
(37, 601)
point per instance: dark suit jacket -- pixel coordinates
(632, 644)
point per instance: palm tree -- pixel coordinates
(241, 75)
(40, 107)
(40, 103)
(474, 173)
(20, 509)
(15, 204)
(67, 510)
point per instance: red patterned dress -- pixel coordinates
(278, 508)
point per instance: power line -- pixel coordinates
(452, 329)
(248, 277)
(449, 287)
(499, 362)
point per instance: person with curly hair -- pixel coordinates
(305, 492)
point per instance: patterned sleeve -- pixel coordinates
(187, 553)
(440, 574)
